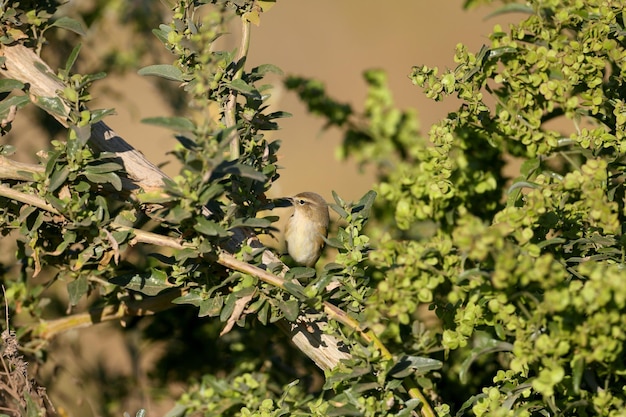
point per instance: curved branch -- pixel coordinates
(22, 64)
(13, 170)
(307, 332)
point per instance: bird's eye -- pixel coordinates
(301, 202)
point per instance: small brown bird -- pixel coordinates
(306, 228)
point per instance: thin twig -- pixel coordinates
(13, 170)
(127, 308)
(30, 199)
(230, 116)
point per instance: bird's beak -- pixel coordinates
(283, 202)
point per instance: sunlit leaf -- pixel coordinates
(99, 114)
(169, 72)
(241, 86)
(103, 168)
(52, 105)
(182, 124)
(266, 69)
(70, 24)
(407, 365)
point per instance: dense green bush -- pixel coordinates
(455, 291)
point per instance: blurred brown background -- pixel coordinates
(334, 41)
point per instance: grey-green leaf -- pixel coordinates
(193, 297)
(410, 364)
(52, 105)
(7, 84)
(17, 101)
(58, 178)
(181, 124)
(209, 227)
(235, 168)
(169, 72)
(290, 308)
(70, 24)
(103, 168)
(77, 288)
(150, 283)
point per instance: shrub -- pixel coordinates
(455, 290)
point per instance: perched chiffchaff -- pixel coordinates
(306, 228)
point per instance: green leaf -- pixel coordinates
(169, 72)
(7, 84)
(334, 266)
(71, 60)
(104, 167)
(241, 86)
(181, 124)
(93, 77)
(278, 115)
(177, 214)
(290, 308)
(32, 409)
(266, 69)
(365, 204)
(193, 297)
(83, 133)
(108, 178)
(529, 167)
(149, 283)
(211, 192)
(69, 24)
(77, 288)
(235, 168)
(300, 272)
(209, 227)
(484, 346)
(58, 178)
(99, 114)
(263, 313)
(211, 307)
(253, 222)
(161, 33)
(17, 101)
(333, 242)
(578, 369)
(52, 105)
(229, 307)
(407, 365)
(295, 289)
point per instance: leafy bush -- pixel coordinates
(455, 290)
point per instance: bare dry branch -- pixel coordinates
(24, 65)
(307, 333)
